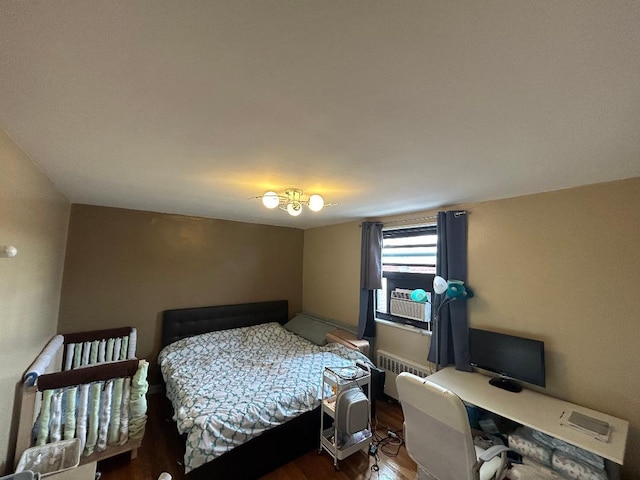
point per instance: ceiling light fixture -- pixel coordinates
(292, 201)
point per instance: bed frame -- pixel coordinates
(272, 448)
(186, 322)
(58, 369)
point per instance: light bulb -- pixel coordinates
(419, 295)
(316, 202)
(294, 208)
(270, 200)
(439, 285)
(455, 288)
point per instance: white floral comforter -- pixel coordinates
(228, 387)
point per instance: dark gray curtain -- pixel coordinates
(453, 327)
(370, 278)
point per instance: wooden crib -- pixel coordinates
(86, 385)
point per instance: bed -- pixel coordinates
(85, 391)
(232, 436)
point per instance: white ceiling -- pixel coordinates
(386, 107)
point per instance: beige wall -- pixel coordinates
(34, 218)
(326, 251)
(124, 267)
(561, 266)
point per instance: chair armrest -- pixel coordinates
(491, 452)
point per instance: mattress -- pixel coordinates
(229, 386)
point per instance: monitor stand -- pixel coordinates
(506, 384)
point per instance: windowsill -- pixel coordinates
(409, 328)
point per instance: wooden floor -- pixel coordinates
(162, 451)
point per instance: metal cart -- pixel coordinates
(346, 392)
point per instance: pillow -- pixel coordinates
(312, 330)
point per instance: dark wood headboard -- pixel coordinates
(186, 322)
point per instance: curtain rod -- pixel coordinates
(411, 220)
(416, 219)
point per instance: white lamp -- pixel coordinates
(292, 201)
(453, 290)
(439, 285)
(294, 208)
(316, 202)
(270, 200)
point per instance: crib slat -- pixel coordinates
(77, 356)
(116, 349)
(69, 352)
(96, 335)
(105, 416)
(70, 413)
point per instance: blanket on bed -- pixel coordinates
(228, 387)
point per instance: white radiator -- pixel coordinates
(393, 365)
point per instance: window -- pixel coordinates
(408, 263)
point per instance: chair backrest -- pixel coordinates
(437, 432)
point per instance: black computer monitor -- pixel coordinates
(511, 357)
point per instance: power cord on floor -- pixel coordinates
(389, 444)
(373, 452)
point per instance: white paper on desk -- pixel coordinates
(564, 421)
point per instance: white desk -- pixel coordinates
(534, 410)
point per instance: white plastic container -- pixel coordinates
(51, 458)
